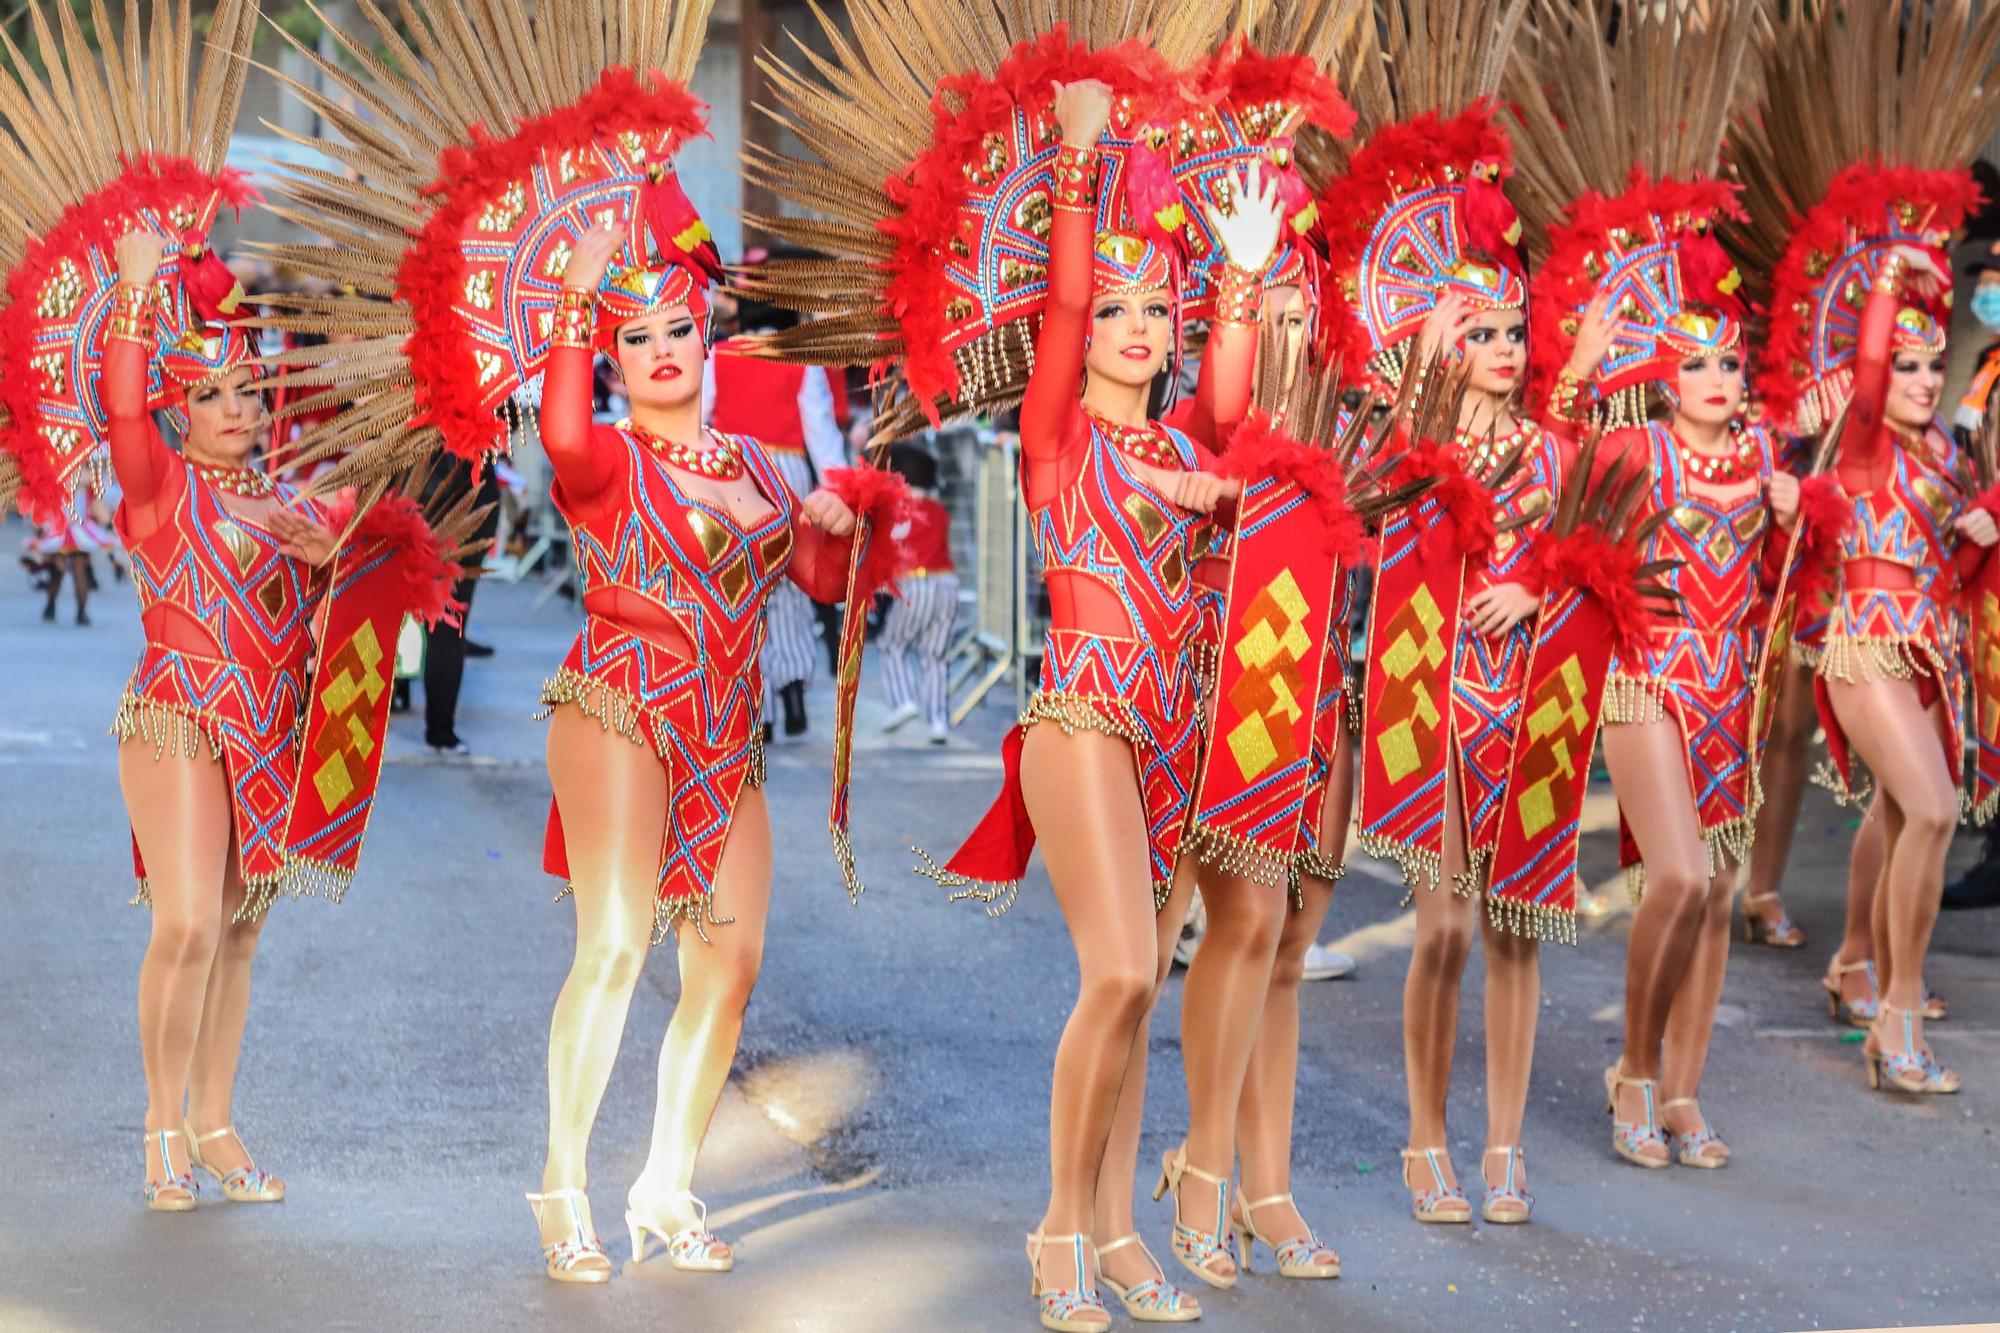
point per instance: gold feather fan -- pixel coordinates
(1844, 81)
(424, 75)
(1599, 88)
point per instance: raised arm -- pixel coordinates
(580, 468)
(145, 467)
(1248, 235)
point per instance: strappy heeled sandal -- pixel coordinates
(1065, 1311)
(1153, 1301)
(1855, 1013)
(177, 1193)
(246, 1184)
(1298, 1257)
(692, 1249)
(1779, 934)
(1441, 1204)
(1692, 1149)
(1195, 1248)
(1509, 1205)
(1909, 1069)
(1628, 1137)
(580, 1256)
(1935, 1008)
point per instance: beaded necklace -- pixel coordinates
(724, 462)
(1146, 443)
(243, 481)
(1724, 470)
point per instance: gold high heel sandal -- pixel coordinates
(175, 1194)
(1065, 1310)
(1909, 1069)
(1509, 1205)
(1855, 1013)
(1153, 1301)
(1196, 1249)
(1693, 1149)
(1629, 1136)
(692, 1249)
(1779, 934)
(1297, 1258)
(1442, 1204)
(580, 1257)
(246, 1184)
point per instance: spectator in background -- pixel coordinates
(790, 410)
(445, 650)
(1984, 271)
(916, 636)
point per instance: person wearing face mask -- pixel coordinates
(245, 585)
(1985, 307)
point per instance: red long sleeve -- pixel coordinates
(147, 470)
(1867, 432)
(1049, 405)
(581, 470)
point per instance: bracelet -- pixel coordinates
(1565, 397)
(1890, 279)
(1239, 297)
(1075, 188)
(575, 319)
(131, 314)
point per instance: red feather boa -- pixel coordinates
(928, 195)
(1603, 569)
(468, 175)
(1825, 518)
(156, 184)
(428, 567)
(1240, 75)
(1261, 449)
(1467, 506)
(877, 496)
(1857, 204)
(1395, 160)
(1562, 286)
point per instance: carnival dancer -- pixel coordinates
(265, 614)
(1828, 212)
(1423, 264)
(1670, 383)
(552, 236)
(1100, 773)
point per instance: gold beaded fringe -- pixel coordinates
(172, 728)
(670, 913)
(615, 710)
(1532, 921)
(997, 897)
(1635, 699)
(1233, 854)
(1726, 842)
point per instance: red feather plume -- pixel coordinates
(1604, 568)
(1466, 506)
(878, 496)
(1260, 448)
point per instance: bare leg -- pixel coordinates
(1513, 1003)
(179, 807)
(219, 1043)
(1082, 794)
(1647, 761)
(613, 797)
(1270, 1085)
(716, 980)
(1865, 867)
(1898, 740)
(1228, 985)
(1783, 777)
(1691, 1018)
(1115, 1179)
(1446, 924)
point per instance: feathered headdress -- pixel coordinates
(1619, 143)
(1259, 91)
(1865, 124)
(930, 164)
(1420, 211)
(484, 142)
(106, 139)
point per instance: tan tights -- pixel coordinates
(1679, 945)
(1864, 882)
(194, 985)
(1082, 794)
(1446, 923)
(1890, 730)
(613, 796)
(1783, 777)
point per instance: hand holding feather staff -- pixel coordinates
(527, 213)
(268, 617)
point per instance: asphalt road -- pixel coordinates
(881, 1146)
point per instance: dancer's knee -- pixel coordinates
(1443, 946)
(1119, 994)
(185, 937)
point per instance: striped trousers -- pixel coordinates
(915, 638)
(792, 647)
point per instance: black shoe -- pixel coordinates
(399, 697)
(1980, 888)
(767, 733)
(82, 619)
(478, 649)
(793, 697)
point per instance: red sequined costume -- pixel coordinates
(1699, 666)
(227, 619)
(674, 594)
